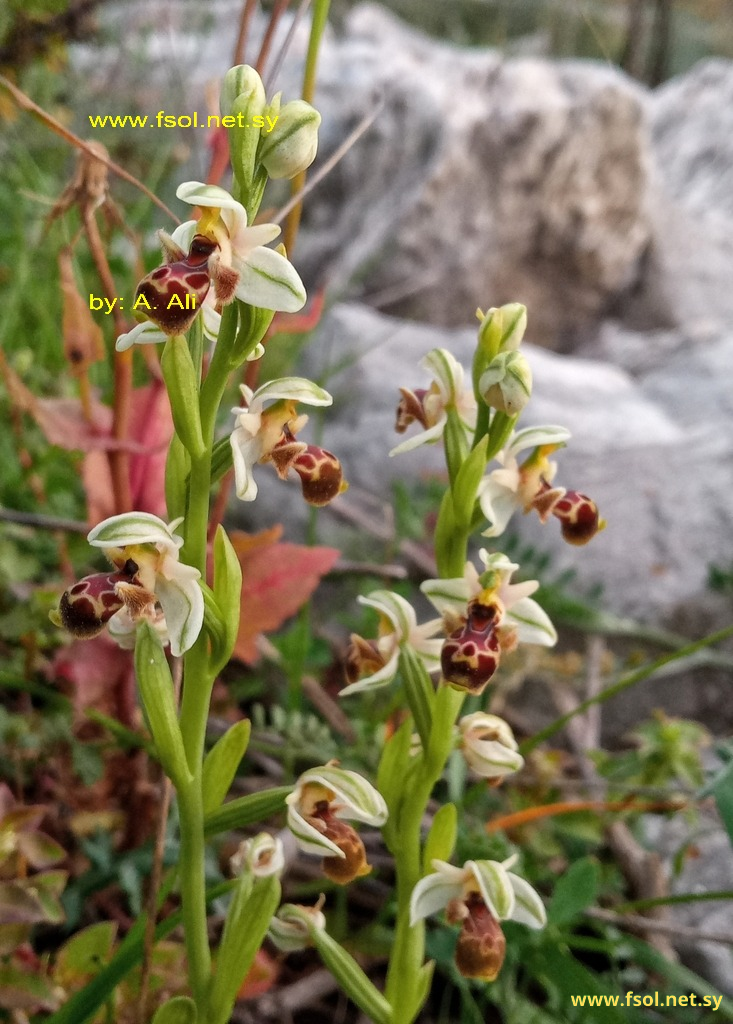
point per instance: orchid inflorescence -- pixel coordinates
(221, 282)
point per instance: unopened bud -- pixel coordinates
(293, 927)
(242, 82)
(489, 746)
(292, 144)
(502, 329)
(506, 384)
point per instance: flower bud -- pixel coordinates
(242, 82)
(502, 329)
(470, 655)
(291, 146)
(293, 927)
(506, 384)
(261, 856)
(489, 746)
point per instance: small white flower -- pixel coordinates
(447, 391)
(259, 430)
(398, 627)
(489, 746)
(154, 547)
(512, 486)
(518, 612)
(262, 276)
(507, 896)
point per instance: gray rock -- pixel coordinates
(660, 472)
(482, 180)
(709, 870)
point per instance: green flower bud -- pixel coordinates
(502, 329)
(506, 384)
(291, 146)
(242, 81)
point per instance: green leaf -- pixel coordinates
(183, 394)
(441, 839)
(253, 325)
(574, 891)
(466, 484)
(351, 978)
(419, 692)
(246, 810)
(654, 961)
(227, 588)
(221, 458)
(221, 763)
(85, 952)
(424, 983)
(561, 971)
(455, 444)
(722, 790)
(177, 469)
(245, 927)
(156, 692)
(179, 1010)
(391, 775)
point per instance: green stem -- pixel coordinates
(197, 685)
(193, 892)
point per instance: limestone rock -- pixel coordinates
(483, 180)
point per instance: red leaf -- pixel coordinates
(152, 427)
(261, 976)
(100, 675)
(277, 580)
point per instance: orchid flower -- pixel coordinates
(260, 431)
(322, 798)
(484, 615)
(430, 407)
(512, 486)
(372, 664)
(478, 896)
(260, 276)
(145, 554)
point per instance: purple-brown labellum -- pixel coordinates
(353, 864)
(579, 518)
(175, 292)
(88, 605)
(411, 408)
(481, 944)
(321, 477)
(470, 655)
